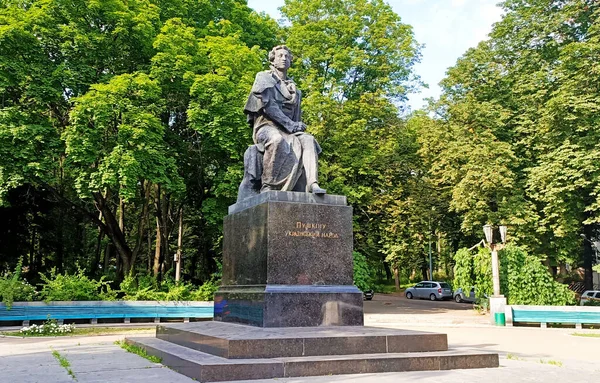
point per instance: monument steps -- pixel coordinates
(215, 351)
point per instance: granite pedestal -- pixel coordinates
(287, 262)
(217, 351)
(288, 306)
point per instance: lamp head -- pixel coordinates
(503, 229)
(488, 230)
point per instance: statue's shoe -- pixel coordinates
(315, 189)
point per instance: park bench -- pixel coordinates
(95, 310)
(574, 315)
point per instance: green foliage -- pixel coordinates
(482, 269)
(515, 134)
(463, 270)
(363, 275)
(14, 288)
(528, 281)
(206, 292)
(524, 280)
(133, 108)
(74, 287)
(147, 288)
(592, 303)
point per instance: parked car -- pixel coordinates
(429, 290)
(368, 295)
(590, 295)
(461, 296)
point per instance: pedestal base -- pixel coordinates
(214, 351)
(290, 306)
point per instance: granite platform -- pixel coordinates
(235, 341)
(214, 351)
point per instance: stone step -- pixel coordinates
(209, 368)
(235, 341)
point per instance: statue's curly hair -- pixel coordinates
(279, 47)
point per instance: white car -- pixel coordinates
(589, 295)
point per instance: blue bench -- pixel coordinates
(576, 315)
(94, 310)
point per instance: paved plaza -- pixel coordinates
(526, 354)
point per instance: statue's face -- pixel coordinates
(282, 60)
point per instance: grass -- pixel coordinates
(587, 335)
(512, 357)
(552, 362)
(138, 351)
(64, 363)
(86, 331)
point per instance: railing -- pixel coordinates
(95, 310)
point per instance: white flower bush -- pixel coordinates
(49, 328)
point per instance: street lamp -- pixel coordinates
(430, 262)
(488, 230)
(497, 301)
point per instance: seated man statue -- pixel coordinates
(284, 157)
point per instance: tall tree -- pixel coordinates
(354, 62)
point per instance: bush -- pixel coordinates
(528, 281)
(146, 288)
(13, 288)
(524, 279)
(363, 277)
(76, 287)
(206, 292)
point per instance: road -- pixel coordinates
(395, 309)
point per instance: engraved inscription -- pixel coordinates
(311, 230)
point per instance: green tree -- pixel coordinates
(513, 139)
(353, 59)
(117, 112)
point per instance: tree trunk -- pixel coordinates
(388, 272)
(157, 248)
(158, 245)
(114, 232)
(179, 246)
(142, 223)
(588, 256)
(396, 278)
(97, 253)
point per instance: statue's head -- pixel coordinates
(281, 57)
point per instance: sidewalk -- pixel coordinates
(91, 359)
(98, 359)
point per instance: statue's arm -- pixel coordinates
(275, 114)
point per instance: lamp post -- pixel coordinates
(497, 300)
(430, 262)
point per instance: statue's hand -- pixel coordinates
(300, 127)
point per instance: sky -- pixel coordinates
(447, 28)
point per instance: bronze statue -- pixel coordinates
(283, 156)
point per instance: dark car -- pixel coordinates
(461, 296)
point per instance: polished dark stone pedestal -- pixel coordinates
(287, 262)
(216, 351)
(290, 304)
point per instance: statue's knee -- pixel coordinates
(277, 139)
(307, 139)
